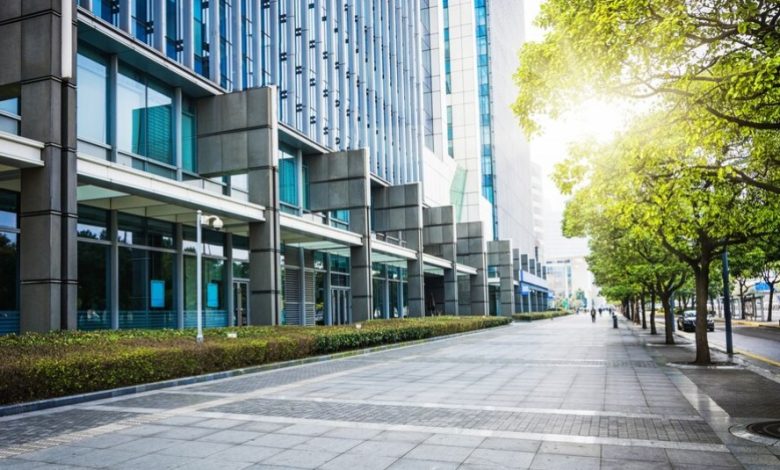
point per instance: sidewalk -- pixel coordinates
(562, 394)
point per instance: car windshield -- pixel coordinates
(690, 314)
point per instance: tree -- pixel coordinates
(650, 179)
(714, 62)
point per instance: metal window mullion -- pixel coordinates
(370, 75)
(256, 52)
(318, 131)
(160, 26)
(274, 39)
(303, 11)
(291, 59)
(188, 39)
(214, 42)
(111, 112)
(114, 267)
(330, 66)
(237, 53)
(125, 13)
(379, 84)
(177, 131)
(179, 275)
(343, 125)
(394, 93)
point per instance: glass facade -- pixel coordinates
(9, 262)
(92, 98)
(10, 118)
(93, 302)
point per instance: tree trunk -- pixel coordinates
(702, 277)
(653, 330)
(771, 298)
(742, 300)
(669, 317)
(644, 315)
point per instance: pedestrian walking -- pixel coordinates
(593, 315)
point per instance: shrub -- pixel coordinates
(37, 366)
(539, 315)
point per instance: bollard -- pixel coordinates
(614, 321)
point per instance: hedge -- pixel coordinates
(38, 366)
(540, 315)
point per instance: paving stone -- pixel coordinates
(284, 441)
(185, 433)
(566, 448)
(250, 454)
(440, 453)
(610, 464)
(19, 464)
(407, 436)
(104, 441)
(305, 429)
(353, 433)
(564, 462)
(520, 445)
(350, 461)
(500, 458)
(650, 454)
(219, 423)
(384, 448)
(415, 464)
(693, 457)
(195, 449)
(455, 440)
(300, 458)
(330, 444)
(24, 429)
(231, 437)
(157, 462)
(147, 445)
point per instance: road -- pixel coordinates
(565, 393)
(759, 341)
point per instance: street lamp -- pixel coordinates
(216, 223)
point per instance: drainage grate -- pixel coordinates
(766, 429)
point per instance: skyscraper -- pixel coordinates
(311, 129)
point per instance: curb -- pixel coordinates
(38, 405)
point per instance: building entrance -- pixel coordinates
(240, 303)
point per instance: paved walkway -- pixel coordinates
(554, 394)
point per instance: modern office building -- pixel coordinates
(307, 132)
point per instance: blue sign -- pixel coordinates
(212, 295)
(158, 294)
(761, 287)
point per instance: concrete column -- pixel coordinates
(179, 273)
(229, 301)
(237, 133)
(500, 255)
(440, 239)
(33, 37)
(471, 251)
(361, 291)
(451, 291)
(114, 266)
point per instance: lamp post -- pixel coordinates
(727, 302)
(216, 223)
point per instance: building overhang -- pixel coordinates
(19, 152)
(109, 39)
(311, 235)
(466, 269)
(436, 262)
(114, 186)
(533, 280)
(400, 252)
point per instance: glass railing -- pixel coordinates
(9, 321)
(211, 319)
(93, 320)
(144, 319)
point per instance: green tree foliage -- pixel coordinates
(650, 182)
(716, 63)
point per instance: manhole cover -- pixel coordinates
(766, 429)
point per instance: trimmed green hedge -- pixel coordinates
(540, 315)
(38, 366)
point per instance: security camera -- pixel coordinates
(216, 223)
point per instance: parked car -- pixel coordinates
(687, 321)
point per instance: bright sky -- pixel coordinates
(598, 120)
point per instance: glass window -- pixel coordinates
(172, 47)
(143, 25)
(93, 310)
(92, 97)
(288, 178)
(9, 115)
(213, 292)
(144, 117)
(9, 207)
(130, 107)
(189, 132)
(9, 274)
(10, 106)
(146, 289)
(213, 241)
(93, 223)
(159, 124)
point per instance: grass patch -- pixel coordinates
(37, 366)
(540, 315)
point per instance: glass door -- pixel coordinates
(241, 303)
